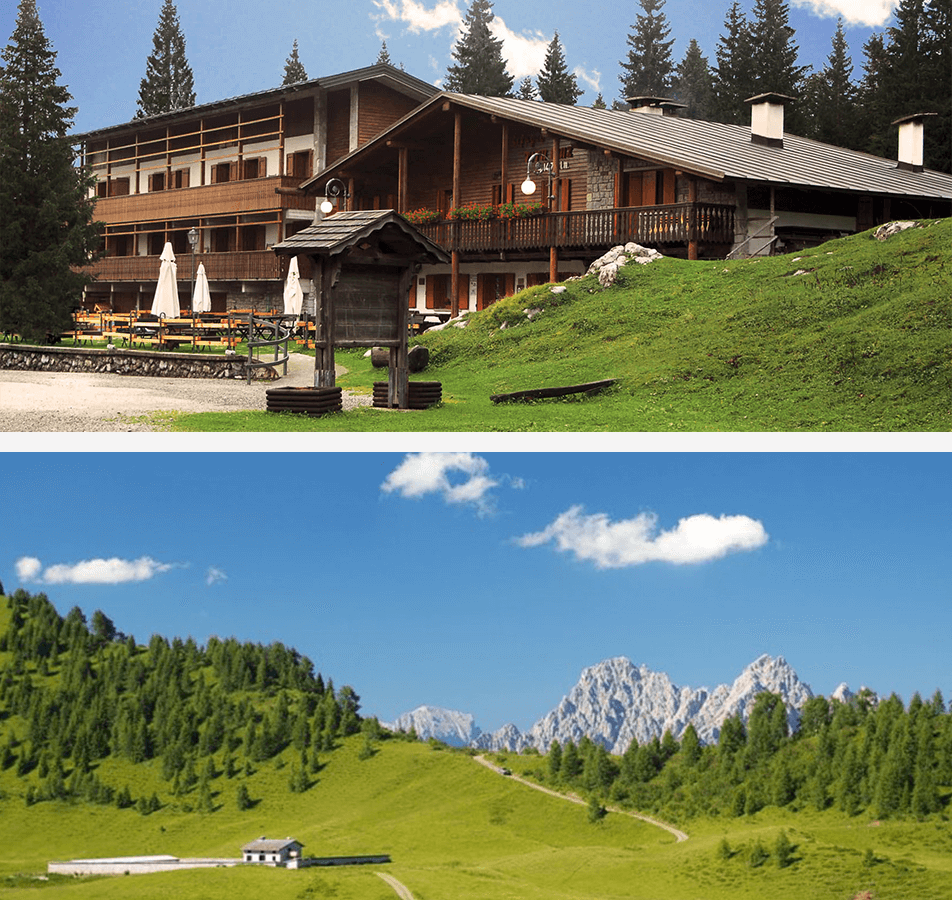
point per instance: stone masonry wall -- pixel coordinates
(126, 362)
(601, 180)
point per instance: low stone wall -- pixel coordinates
(147, 865)
(24, 357)
(133, 865)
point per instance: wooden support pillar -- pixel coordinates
(555, 191)
(403, 157)
(398, 386)
(457, 166)
(504, 164)
(454, 284)
(324, 375)
(692, 218)
(553, 264)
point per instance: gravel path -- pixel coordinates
(60, 401)
(572, 798)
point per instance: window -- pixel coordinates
(300, 164)
(180, 178)
(157, 181)
(221, 173)
(255, 168)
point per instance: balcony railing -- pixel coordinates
(674, 223)
(230, 198)
(250, 265)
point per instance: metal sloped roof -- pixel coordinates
(266, 845)
(709, 149)
(341, 231)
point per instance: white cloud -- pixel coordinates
(214, 575)
(593, 79)
(92, 571)
(429, 473)
(524, 53)
(631, 542)
(28, 567)
(417, 17)
(854, 12)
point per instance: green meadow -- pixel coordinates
(854, 335)
(456, 829)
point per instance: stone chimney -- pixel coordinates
(656, 106)
(911, 130)
(766, 118)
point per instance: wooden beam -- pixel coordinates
(403, 160)
(692, 219)
(504, 167)
(454, 285)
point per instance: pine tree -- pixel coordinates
(46, 215)
(647, 70)
(774, 57)
(527, 89)
(294, 71)
(168, 84)
(733, 75)
(383, 57)
(936, 65)
(480, 68)
(556, 83)
(831, 97)
(871, 97)
(599, 102)
(693, 84)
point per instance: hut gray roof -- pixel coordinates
(393, 236)
(269, 845)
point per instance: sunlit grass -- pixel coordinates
(855, 335)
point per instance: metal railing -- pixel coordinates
(281, 335)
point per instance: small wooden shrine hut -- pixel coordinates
(364, 267)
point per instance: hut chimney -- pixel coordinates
(911, 130)
(656, 106)
(766, 118)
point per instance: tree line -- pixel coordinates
(883, 759)
(73, 693)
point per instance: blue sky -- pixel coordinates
(485, 582)
(241, 47)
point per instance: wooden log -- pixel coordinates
(591, 387)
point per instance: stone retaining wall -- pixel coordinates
(23, 357)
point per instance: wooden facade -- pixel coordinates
(230, 171)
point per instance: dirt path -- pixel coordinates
(402, 891)
(572, 798)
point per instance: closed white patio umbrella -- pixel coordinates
(293, 295)
(166, 301)
(202, 298)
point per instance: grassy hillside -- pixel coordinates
(455, 829)
(855, 335)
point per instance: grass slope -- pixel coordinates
(455, 829)
(855, 335)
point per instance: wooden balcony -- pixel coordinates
(675, 223)
(254, 265)
(232, 198)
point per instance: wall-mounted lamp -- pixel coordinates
(335, 188)
(537, 164)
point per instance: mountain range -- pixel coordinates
(616, 702)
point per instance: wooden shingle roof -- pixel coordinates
(337, 233)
